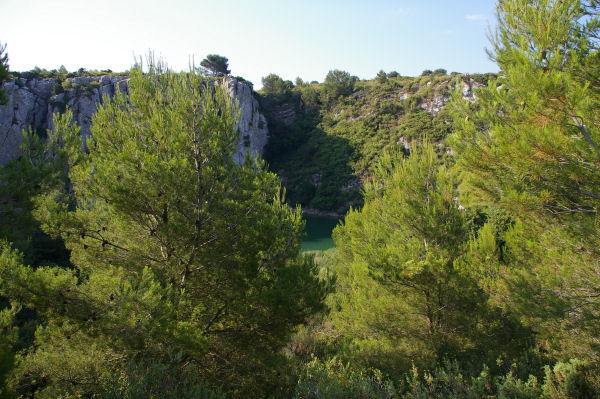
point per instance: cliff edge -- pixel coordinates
(33, 101)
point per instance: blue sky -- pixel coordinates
(304, 38)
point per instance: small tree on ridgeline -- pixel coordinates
(338, 83)
(275, 87)
(216, 65)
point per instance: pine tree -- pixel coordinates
(175, 247)
(530, 146)
(534, 139)
(411, 236)
(216, 65)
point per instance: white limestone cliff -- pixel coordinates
(32, 102)
(252, 124)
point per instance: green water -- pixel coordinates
(318, 233)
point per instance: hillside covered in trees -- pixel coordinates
(324, 139)
(150, 264)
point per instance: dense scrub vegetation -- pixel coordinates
(482, 271)
(154, 266)
(325, 138)
(62, 73)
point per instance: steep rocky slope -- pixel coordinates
(33, 101)
(324, 144)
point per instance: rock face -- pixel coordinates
(32, 102)
(252, 124)
(285, 113)
(435, 105)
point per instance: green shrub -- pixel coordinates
(310, 96)
(173, 380)
(572, 379)
(276, 88)
(333, 379)
(242, 80)
(87, 89)
(62, 73)
(337, 83)
(445, 382)
(510, 387)
(68, 85)
(57, 89)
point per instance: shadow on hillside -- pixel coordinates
(313, 165)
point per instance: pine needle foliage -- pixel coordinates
(175, 249)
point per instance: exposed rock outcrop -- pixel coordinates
(435, 104)
(252, 124)
(32, 102)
